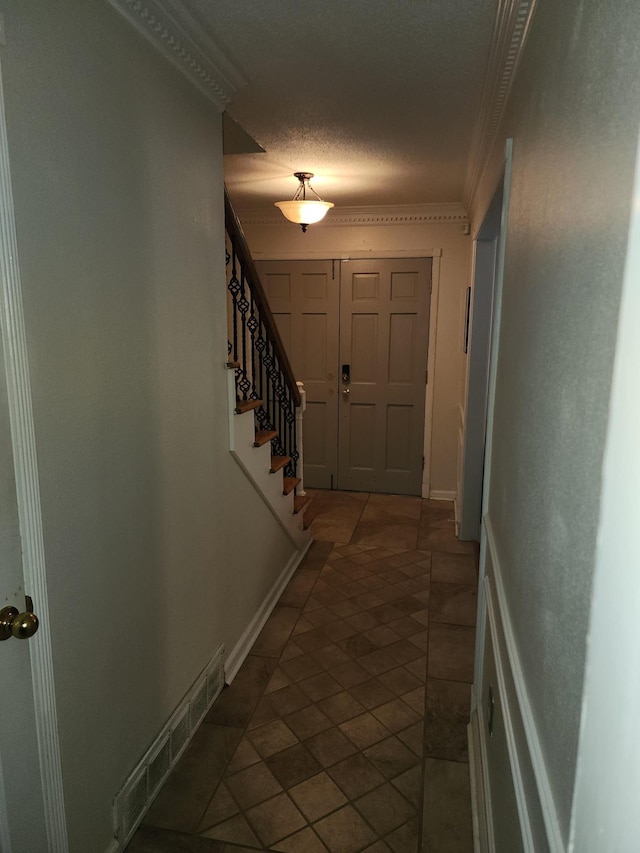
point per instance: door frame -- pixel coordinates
(359, 255)
(479, 323)
(481, 619)
(16, 366)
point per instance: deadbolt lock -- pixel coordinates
(16, 624)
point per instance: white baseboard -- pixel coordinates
(480, 791)
(538, 814)
(242, 648)
(439, 495)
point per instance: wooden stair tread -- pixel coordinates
(247, 405)
(300, 502)
(263, 436)
(289, 484)
(278, 462)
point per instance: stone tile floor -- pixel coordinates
(345, 728)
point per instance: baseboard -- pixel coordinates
(439, 495)
(538, 814)
(242, 648)
(480, 791)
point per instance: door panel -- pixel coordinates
(402, 333)
(31, 800)
(384, 323)
(313, 356)
(303, 297)
(21, 805)
(364, 344)
(283, 322)
(398, 438)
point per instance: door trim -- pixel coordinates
(431, 372)
(474, 417)
(491, 395)
(356, 255)
(28, 496)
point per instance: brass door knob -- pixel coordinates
(18, 625)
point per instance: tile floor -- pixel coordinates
(345, 728)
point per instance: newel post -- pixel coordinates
(299, 412)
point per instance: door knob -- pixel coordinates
(18, 625)
(345, 393)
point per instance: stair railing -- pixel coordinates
(262, 369)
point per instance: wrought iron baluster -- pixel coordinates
(234, 288)
(252, 325)
(281, 431)
(291, 416)
(243, 304)
(274, 399)
(268, 388)
(263, 370)
(260, 348)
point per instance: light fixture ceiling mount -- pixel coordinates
(302, 210)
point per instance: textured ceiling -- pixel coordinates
(378, 99)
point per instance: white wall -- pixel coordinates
(605, 814)
(117, 175)
(448, 371)
(573, 116)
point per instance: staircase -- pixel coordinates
(265, 401)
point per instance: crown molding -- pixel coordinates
(181, 39)
(399, 214)
(513, 22)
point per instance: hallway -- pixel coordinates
(363, 669)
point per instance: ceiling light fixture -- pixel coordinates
(302, 210)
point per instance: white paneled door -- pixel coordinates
(357, 336)
(32, 814)
(303, 297)
(384, 323)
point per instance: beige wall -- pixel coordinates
(574, 116)
(448, 370)
(117, 176)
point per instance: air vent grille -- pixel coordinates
(215, 677)
(159, 765)
(134, 799)
(137, 793)
(180, 731)
(198, 704)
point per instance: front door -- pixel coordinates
(384, 323)
(363, 430)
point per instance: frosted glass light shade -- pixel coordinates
(304, 211)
